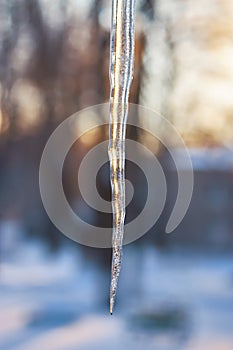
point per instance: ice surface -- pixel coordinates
(121, 73)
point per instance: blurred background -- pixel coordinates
(175, 291)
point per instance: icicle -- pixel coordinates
(121, 73)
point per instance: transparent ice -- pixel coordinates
(121, 74)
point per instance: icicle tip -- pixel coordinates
(111, 308)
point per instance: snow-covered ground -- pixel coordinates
(60, 301)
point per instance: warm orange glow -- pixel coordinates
(85, 125)
(91, 138)
(1, 121)
(29, 104)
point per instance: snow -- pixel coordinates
(55, 301)
(204, 159)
